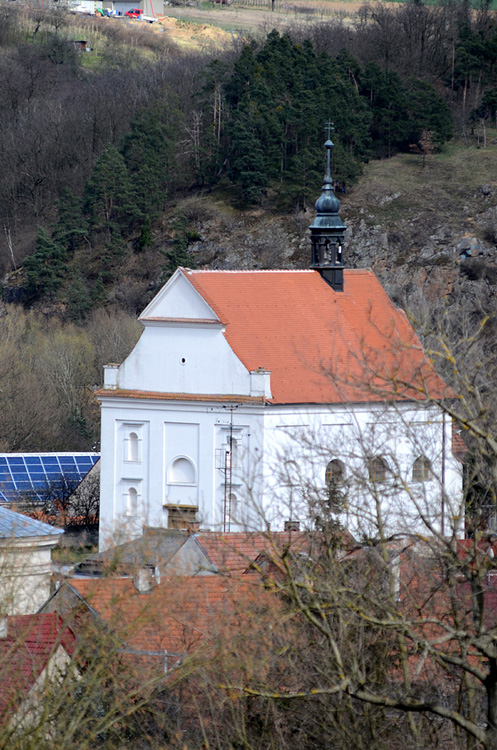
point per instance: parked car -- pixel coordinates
(137, 13)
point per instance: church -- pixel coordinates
(257, 398)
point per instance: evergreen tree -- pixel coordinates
(428, 112)
(46, 267)
(71, 228)
(109, 199)
(387, 98)
(280, 96)
(247, 164)
(146, 239)
(78, 300)
(98, 293)
(149, 154)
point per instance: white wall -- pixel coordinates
(303, 444)
(25, 573)
(279, 466)
(171, 431)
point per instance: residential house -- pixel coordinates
(25, 562)
(35, 651)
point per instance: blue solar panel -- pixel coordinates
(29, 475)
(32, 460)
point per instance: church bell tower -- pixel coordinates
(327, 230)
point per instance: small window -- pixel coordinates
(231, 453)
(421, 470)
(335, 472)
(181, 471)
(233, 505)
(132, 447)
(378, 469)
(131, 501)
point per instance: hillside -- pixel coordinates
(408, 222)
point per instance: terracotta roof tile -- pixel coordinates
(176, 616)
(321, 346)
(234, 552)
(25, 652)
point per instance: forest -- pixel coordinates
(97, 151)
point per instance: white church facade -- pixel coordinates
(257, 397)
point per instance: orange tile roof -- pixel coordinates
(234, 552)
(176, 616)
(25, 652)
(321, 346)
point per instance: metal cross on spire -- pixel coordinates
(329, 127)
(329, 145)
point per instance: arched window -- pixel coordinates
(421, 470)
(378, 469)
(335, 472)
(181, 471)
(131, 502)
(132, 453)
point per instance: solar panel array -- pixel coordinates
(29, 476)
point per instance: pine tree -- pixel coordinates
(98, 293)
(110, 202)
(146, 239)
(149, 155)
(46, 267)
(71, 229)
(78, 300)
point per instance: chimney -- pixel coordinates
(260, 383)
(144, 580)
(111, 376)
(292, 525)
(4, 627)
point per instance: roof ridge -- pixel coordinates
(266, 270)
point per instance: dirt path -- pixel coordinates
(234, 18)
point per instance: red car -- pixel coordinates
(134, 13)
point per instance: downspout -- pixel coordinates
(443, 474)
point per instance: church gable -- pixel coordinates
(178, 300)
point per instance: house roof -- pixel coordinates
(176, 615)
(15, 526)
(234, 552)
(320, 345)
(30, 643)
(157, 546)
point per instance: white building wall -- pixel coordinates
(174, 358)
(25, 573)
(302, 442)
(195, 433)
(278, 465)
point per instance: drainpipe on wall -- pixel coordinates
(443, 473)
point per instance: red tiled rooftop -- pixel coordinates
(321, 346)
(234, 552)
(176, 615)
(30, 643)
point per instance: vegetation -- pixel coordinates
(96, 157)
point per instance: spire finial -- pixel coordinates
(329, 127)
(327, 229)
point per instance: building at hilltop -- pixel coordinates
(257, 397)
